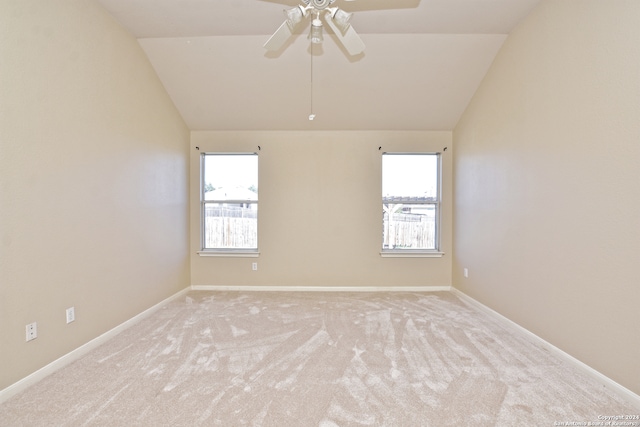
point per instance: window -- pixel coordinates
(410, 202)
(229, 199)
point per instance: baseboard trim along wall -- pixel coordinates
(76, 354)
(323, 288)
(605, 381)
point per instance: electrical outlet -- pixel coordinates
(254, 266)
(466, 272)
(32, 331)
(71, 314)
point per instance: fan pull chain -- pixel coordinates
(311, 115)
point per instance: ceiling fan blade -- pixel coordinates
(279, 38)
(349, 39)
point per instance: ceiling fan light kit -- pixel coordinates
(295, 15)
(337, 19)
(340, 18)
(316, 31)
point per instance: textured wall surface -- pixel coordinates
(547, 161)
(93, 181)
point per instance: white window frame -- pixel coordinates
(223, 251)
(437, 203)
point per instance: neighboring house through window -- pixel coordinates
(410, 202)
(229, 202)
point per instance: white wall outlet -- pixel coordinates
(466, 272)
(254, 266)
(32, 331)
(71, 314)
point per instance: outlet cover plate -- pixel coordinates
(32, 331)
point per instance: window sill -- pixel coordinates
(411, 254)
(233, 254)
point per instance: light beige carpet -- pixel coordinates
(316, 359)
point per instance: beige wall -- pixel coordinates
(93, 181)
(547, 173)
(320, 211)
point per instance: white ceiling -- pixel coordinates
(423, 61)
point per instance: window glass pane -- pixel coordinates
(410, 175)
(410, 201)
(409, 226)
(230, 177)
(229, 201)
(230, 226)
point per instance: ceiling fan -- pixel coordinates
(337, 19)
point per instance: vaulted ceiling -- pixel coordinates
(423, 61)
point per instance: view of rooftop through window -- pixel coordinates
(410, 175)
(233, 173)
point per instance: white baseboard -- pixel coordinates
(323, 288)
(74, 355)
(605, 381)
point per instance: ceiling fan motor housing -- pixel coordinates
(320, 4)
